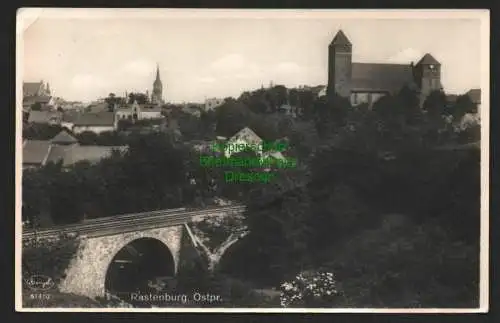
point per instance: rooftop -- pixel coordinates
(35, 151)
(428, 60)
(380, 77)
(340, 39)
(44, 116)
(63, 138)
(96, 119)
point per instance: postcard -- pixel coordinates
(195, 160)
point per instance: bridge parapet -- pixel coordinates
(133, 222)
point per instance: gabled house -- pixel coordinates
(35, 153)
(247, 136)
(45, 117)
(63, 148)
(36, 88)
(137, 111)
(68, 119)
(95, 122)
(46, 102)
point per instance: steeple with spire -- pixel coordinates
(157, 94)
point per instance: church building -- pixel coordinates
(157, 94)
(367, 82)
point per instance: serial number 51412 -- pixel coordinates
(40, 296)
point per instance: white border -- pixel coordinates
(26, 16)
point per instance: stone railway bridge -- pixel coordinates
(101, 240)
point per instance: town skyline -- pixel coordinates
(214, 57)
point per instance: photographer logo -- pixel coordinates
(39, 283)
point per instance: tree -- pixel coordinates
(232, 116)
(436, 104)
(462, 106)
(141, 98)
(408, 105)
(294, 97)
(330, 114)
(279, 94)
(87, 138)
(112, 100)
(305, 104)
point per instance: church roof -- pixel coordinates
(63, 138)
(380, 77)
(428, 60)
(340, 39)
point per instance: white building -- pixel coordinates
(137, 111)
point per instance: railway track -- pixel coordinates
(131, 222)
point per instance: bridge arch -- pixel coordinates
(87, 272)
(137, 262)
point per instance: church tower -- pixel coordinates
(340, 65)
(428, 76)
(157, 95)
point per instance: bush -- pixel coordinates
(49, 258)
(310, 289)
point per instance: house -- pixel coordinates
(46, 102)
(137, 111)
(149, 111)
(63, 148)
(248, 137)
(72, 154)
(95, 122)
(63, 138)
(367, 82)
(126, 113)
(45, 117)
(213, 103)
(68, 119)
(35, 153)
(244, 136)
(36, 89)
(97, 107)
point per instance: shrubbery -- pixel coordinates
(50, 258)
(310, 289)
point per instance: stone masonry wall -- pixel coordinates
(86, 272)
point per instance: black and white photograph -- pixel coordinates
(199, 160)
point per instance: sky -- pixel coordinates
(86, 54)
